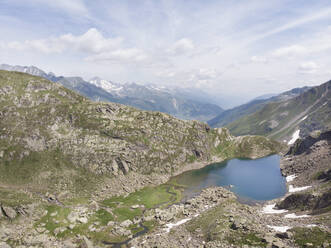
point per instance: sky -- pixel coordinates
(229, 48)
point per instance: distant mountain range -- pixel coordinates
(181, 103)
(300, 111)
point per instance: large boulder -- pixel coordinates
(325, 175)
(9, 212)
(126, 223)
(4, 245)
(306, 201)
(297, 201)
(324, 201)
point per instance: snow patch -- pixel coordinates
(171, 225)
(304, 118)
(291, 189)
(290, 178)
(279, 228)
(295, 136)
(311, 225)
(269, 209)
(294, 216)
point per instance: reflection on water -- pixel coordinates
(258, 179)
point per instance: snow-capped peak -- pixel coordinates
(106, 85)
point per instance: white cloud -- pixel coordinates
(181, 46)
(166, 73)
(258, 59)
(324, 13)
(289, 51)
(75, 7)
(121, 55)
(92, 43)
(203, 77)
(308, 67)
(206, 73)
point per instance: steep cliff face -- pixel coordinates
(51, 136)
(308, 163)
(305, 145)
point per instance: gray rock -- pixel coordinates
(118, 230)
(40, 229)
(59, 230)
(111, 223)
(9, 212)
(87, 242)
(94, 205)
(282, 235)
(1, 214)
(83, 220)
(4, 245)
(71, 226)
(54, 214)
(73, 217)
(126, 223)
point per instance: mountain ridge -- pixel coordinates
(235, 113)
(144, 97)
(307, 112)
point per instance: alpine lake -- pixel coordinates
(250, 179)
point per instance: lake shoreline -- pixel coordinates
(198, 165)
(241, 176)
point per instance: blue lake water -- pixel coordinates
(258, 179)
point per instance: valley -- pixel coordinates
(165, 124)
(79, 173)
(67, 155)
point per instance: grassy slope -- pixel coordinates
(314, 103)
(231, 115)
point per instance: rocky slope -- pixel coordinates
(103, 138)
(148, 97)
(308, 163)
(300, 219)
(253, 106)
(65, 161)
(307, 112)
